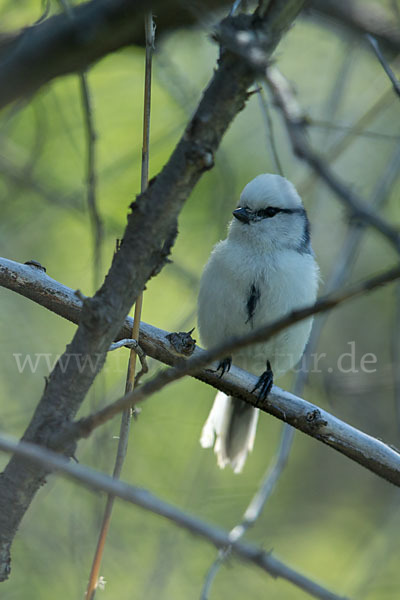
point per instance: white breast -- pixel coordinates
(286, 280)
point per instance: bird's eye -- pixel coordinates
(268, 212)
(272, 211)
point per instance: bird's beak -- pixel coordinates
(242, 214)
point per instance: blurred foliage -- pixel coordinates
(328, 517)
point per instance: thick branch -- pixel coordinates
(312, 420)
(61, 45)
(148, 237)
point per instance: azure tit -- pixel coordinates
(262, 271)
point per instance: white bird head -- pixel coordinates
(270, 214)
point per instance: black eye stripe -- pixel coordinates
(267, 213)
(270, 211)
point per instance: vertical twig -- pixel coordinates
(270, 131)
(255, 507)
(385, 65)
(396, 355)
(395, 345)
(130, 378)
(91, 177)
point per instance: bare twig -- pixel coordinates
(352, 130)
(364, 449)
(295, 122)
(133, 344)
(255, 507)
(396, 355)
(127, 342)
(130, 378)
(386, 67)
(270, 131)
(91, 178)
(141, 497)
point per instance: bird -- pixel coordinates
(262, 271)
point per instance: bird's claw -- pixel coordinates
(264, 383)
(224, 365)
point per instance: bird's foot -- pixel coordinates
(264, 383)
(224, 365)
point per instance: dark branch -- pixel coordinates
(61, 45)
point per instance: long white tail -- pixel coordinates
(232, 425)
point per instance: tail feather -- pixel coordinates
(231, 429)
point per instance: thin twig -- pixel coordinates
(91, 179)
(352, 130)
(133, 344)
(91, 176)
(396, 355)
(270, 131)
(255, 507)
(386, 67)
(131, 381)
(145, 499)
